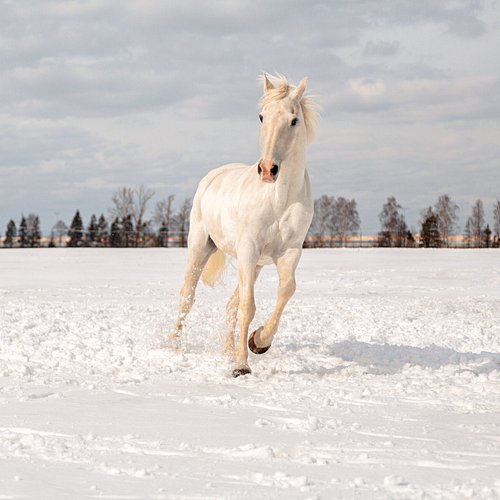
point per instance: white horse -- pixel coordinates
(259, 214)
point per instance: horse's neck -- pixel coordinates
(291, 183)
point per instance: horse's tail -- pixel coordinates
(214, 269)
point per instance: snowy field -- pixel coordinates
(383, 381)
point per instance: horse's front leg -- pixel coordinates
(262, 338)
(247, 273)
(232, 316)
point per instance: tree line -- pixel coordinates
(438, 226)
(336, 222)
(127, 225)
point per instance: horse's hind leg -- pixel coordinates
(231, 315)
(200, 248)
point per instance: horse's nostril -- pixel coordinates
(274, 170)
(259, 169)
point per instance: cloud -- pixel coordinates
(380, 48)
(460, 18)
(100, 93)
(367, 90)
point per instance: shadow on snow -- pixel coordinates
(386, 358)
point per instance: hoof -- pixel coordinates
(254, 348)
(241, 371)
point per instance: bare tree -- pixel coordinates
(468, 232)
(345, 218)
(393, 226)
(60, 229)
(477, 223)
(334, 219)
(446, 212)
(123, 203)
(130, 204)
(164, 219)
(321, 223)
(141, 198)
(182, 221)
(496, 222)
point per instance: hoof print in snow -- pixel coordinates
(241, 371)
(254, 348)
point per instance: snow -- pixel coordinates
(383, 381)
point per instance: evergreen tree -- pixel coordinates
(115, 238)
(127, 231)
(163, 234)
(410, 239)
(164, 218)
(76, 231)
(92, 230)
(23, 233)
(10, 234)
(429, 235)
(102, 231)
(34, 231)
(487, 236)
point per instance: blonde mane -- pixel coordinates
(282, 88)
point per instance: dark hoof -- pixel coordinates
(241, 371)
(254, 348)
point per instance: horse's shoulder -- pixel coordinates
(220, 170)
(217, 172)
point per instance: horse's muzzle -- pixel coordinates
(267, 170)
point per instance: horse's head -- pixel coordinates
(284, 127)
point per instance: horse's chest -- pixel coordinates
(270, 226)
(288, 229)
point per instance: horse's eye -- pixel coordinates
(294, 122)
(261, 118)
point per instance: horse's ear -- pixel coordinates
(267, 83)
(300, 89)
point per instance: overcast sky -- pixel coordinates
(100, 94)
